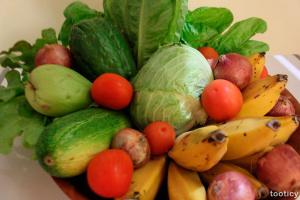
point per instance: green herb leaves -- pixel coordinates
(14, 88)
(22, 54)
(205, 26)
(237, 37)
(16, 115)
(204, 23)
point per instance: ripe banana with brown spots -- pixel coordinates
(200, 149)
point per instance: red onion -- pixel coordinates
(234, 68)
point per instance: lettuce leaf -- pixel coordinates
(168, 87)
(204, 23)
(147, 24)
(74, 13)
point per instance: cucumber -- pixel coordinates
(66, 146)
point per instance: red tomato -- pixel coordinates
(209, 52)
(109, 174)
(112, 91)
(222, 100)
(161, 137)
(264, 73)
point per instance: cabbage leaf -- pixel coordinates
(168, 88)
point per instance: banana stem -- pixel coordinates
(282, 77)
(273, 124)
(217, 136)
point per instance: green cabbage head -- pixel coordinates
(168, 86)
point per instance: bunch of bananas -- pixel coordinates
(236, 145)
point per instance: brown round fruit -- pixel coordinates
(135, 144)
(279, 169)
(234, 68)
(283, 107)
(230, 185)
(53, 54)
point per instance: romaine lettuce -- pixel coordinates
(168, 87)
(147, 24)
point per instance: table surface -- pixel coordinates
(22, 178)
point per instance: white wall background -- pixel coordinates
(23, 19)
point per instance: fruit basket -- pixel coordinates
(168, 103)
(76, 188)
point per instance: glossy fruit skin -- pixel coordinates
(234, 68)
(209, 52)
(112, 91)
(53, 54)
(135, 144)
(222, 100)
(279, 169)
(230, 186)
(283, 107)
(109, 174)
(67, 145)
(161, 137)
(54, 90)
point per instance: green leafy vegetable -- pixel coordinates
(204, 23)
(204, 27)
(98, 47)
(16, 115)
(74, 13)
(14, 88)
(168, 87)
(147, 24)
(22, 54)
(18, 118)
(252, 46)
(238, 35)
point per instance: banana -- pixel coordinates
(257, 61)
(184, 184)
(261, 96)
(146, 180)
(288, 125)
(251, 135)
(261, 190)
(250, 162)
(200, 149)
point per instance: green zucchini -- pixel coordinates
(67, 145)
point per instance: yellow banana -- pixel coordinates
(200, 149)
(289, 124)
(184, 184)
(257, 61)
(250, 162)
(261, 96)
(261, 190)
(147, 180)
(251, 135)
